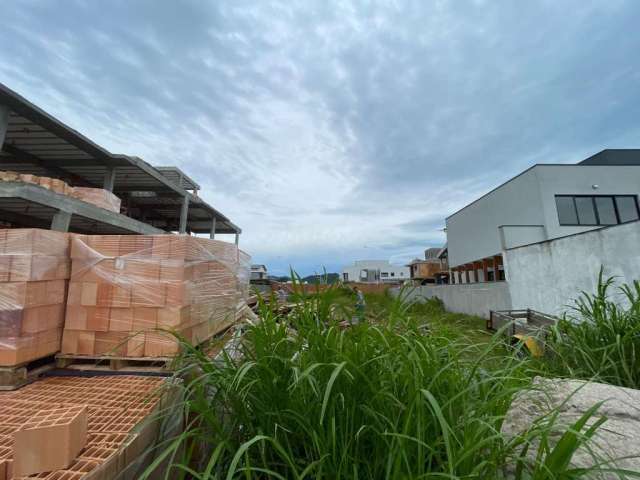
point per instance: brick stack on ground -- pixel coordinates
(121, 415)
(34, 272)
(125, 291)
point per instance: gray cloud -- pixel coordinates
(334, 130)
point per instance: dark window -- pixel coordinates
(627, 209)
(384, 274)
(596, 209)
(566, 211)
(586, 212)
(606, 211)
(393, 274)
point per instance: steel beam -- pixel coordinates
(184, 214)
(42, 196)
(61, 221)
(54, 171)
(212, 235)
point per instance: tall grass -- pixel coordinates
(600, 339)
(309, 399)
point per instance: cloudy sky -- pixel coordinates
(332, 130)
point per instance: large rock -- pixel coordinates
(618, 437)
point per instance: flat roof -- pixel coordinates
(38, 143)
(598, 160)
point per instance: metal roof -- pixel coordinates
(39, 144)
(178, 177)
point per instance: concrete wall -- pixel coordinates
(471, 298)
(579, 180)
(547, 276)
(529, 200)
(472, 233)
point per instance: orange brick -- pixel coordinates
(49, 441)
(89, 294)
(148, 294)
(144, 319)
(110, 343)
(98, 319)
(112, 295)
(121, 320)
(86, 343)
(76, 317)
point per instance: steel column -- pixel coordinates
(212, 235)
(237, 239)
(184, 214)
(109, 179)
(61, 221)
(4, 122)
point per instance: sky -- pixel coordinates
(334, 131)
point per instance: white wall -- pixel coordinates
(400, 272)
(547, 276)
(473, 299)
(472, 233)
(529, 200)
(577, 180)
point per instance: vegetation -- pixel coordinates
(599, 339)
(402, 395)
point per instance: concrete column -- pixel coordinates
(184, 214)
(4, 122)
(109, 179)
(61, 221)
(237, 239)
(212, 235)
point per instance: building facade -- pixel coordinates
(375, 271)
(433, 269)
(544, 202)
(258, 272)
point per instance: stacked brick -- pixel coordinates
(111, 436)
(125, 292)
(96, 196)
(53, 184)
(34, 272)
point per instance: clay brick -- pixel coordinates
(121, 320)
(98, 319)
(88, 294)
(110, 343)
(145, 319)
(112, 295)
(76, 317)
(50, 441)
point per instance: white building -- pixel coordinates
(544, 202)
(375, 271)
(258, 272)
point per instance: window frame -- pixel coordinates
(595, 209)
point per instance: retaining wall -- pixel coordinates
(470, 298)
(547, 276)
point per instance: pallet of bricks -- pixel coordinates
(127, 292)
(34, 273)
(96, 196)
(93, 428)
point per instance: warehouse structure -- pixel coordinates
(154, 200)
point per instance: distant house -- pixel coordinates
(433, 269)
(545, 202)
(258, 272)
(375, 271)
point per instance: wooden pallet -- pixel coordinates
(92, 363)
(16, 376)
